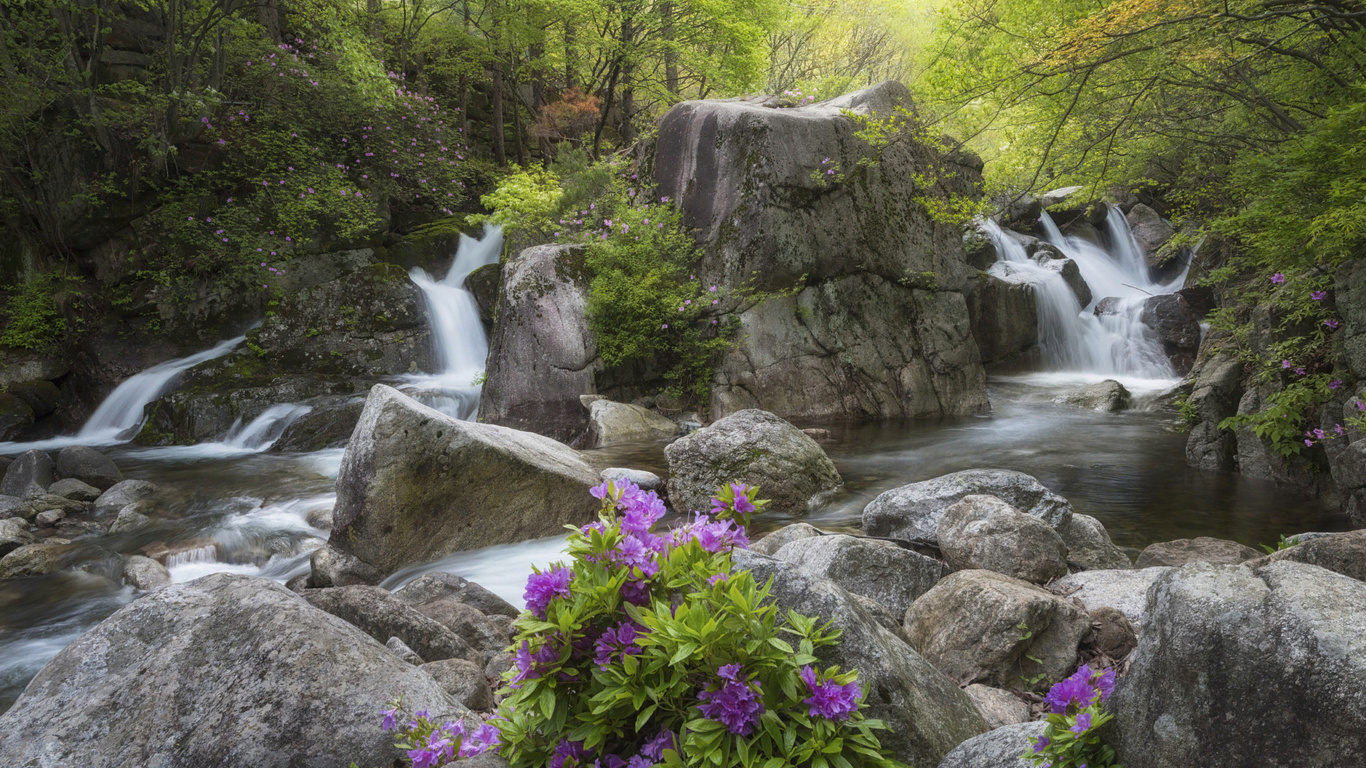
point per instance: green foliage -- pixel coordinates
(1072, 747)
(1281, 543)
(695, 616)
(524, 200)
(32, 318)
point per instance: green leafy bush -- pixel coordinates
(32, 319)
(1075, 718)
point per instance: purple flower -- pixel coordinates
(1105, 683)
(1286, 364)
(531, 665)
(718, 578)
(1319, 295)
(735, 704)
(1331, 323)
(1300, 371)
(1083, 723)
(570, 754)
(541, 588)
(1075, 690)
(656, 747)
(618, 640)
(1041, 744)
(390, 719)
(828, 699)
(1278, 278)
(1335, 384)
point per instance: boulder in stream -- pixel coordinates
(753, 447)
(1201, 549)
(229, 671)
(433, 589)
(1107, 396)
(29, 475)
(14, 533)
(912, 512)
(76, 490)
(35, 559)
(89, 466)
(879, 570)
(416, 484)
(612, 423)
(985, 532)
(122, 494)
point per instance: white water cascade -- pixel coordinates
(460, 346)
(1072, 337)
(266, 428)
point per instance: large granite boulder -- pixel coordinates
(1107, 396)
(29, 475)
(1214, 397)
(878, 570)
(89, 466)
(1271, 664)
(229, 671)
(1343, 553)
(1003, 313)
(1150, 232)
(612, 423)
(985, 532)
(1201, 549)
(913, 511)
(1176, 325)
(753, 447)
(927, 714)
(1123, 590)
(1000, 748)
(1089, 546)
(416, 484)
(985, 627)
(542, 355)
(380, 615)
(869, 312)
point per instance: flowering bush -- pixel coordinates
(648, 649)
(428, 745)
(1072, 738)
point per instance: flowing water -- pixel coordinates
(230, 506)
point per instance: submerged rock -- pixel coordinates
(912, 512)
(753, 447)
(416, 484)
(1272, 665)
(877, 570)
(927, 714)
(985, 532)
(89, 466)
(227, 670)
(982, 626)
(1201, 549)
(612, 423)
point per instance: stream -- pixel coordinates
(233, 506)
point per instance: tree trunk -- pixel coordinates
(569, 62)
(666, 14)
(627, 127)
(268, 14)
(496, 118)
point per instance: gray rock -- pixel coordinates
(130, 519)
(381, 615)
(76, 490)
(542, 355)
(1107, 396)
(328, 425)
(926, 712)
(14, 534)
(877, 570)
(16, 416)
(144, 573)
(402, 650)
(89, 466)
(913, 511)
(29, 475)
(485, 637)
(879, 328)
(1201, 549)
(42, 396)
(11, 506)
(1112, 633)
(1001, 748)
(1150, 231)
(753, 447)
(647, 481)
(45, 502)
(985, 532)
(49, 518)
(1343, 553)
(416, 484)
(998, 707)
(1214, 397)
(982, 626)
(1177, 326)
(1004, 314)
(1272, 664)
(35, 559)
(258, 679)
(612, 423)
(1125, 590)
(1070, 273)
(770, 544)
(1089, 545)
(122, 494)
(464, 681)
(331, 567)
(1350, 294)
(320, 518)
(434, 587)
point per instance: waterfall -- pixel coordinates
(120, 416)
(1074, 338)
(459, 344)
(266, 428)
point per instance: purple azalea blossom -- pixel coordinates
(828, 699)
(531, 665)
(1083, 723)
(390, 719)
(656, 747)
(1332, 324)
(1335, 384)
(543, 587)
(735, 704)
(570, 754)
(1075, 690)
(1318, 295)
(718, 578)
(618, 640)
(1041, 744)
(1105, 683)
(1278, 278)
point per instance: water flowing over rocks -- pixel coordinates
(1177, 325)
(985, 532)
(876, 324)
(912, 512)
(982, 626)
(1272, 665)
(927, 714)
(879, 570)
(753, 447)
(228, 670)
(416, 484)
(1004, 315)
(1201, 549)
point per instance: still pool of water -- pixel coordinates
(232, 510)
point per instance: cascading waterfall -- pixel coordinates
(460, 346)
(266, 428)
(1072, 337)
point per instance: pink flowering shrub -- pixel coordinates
(647, 648)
